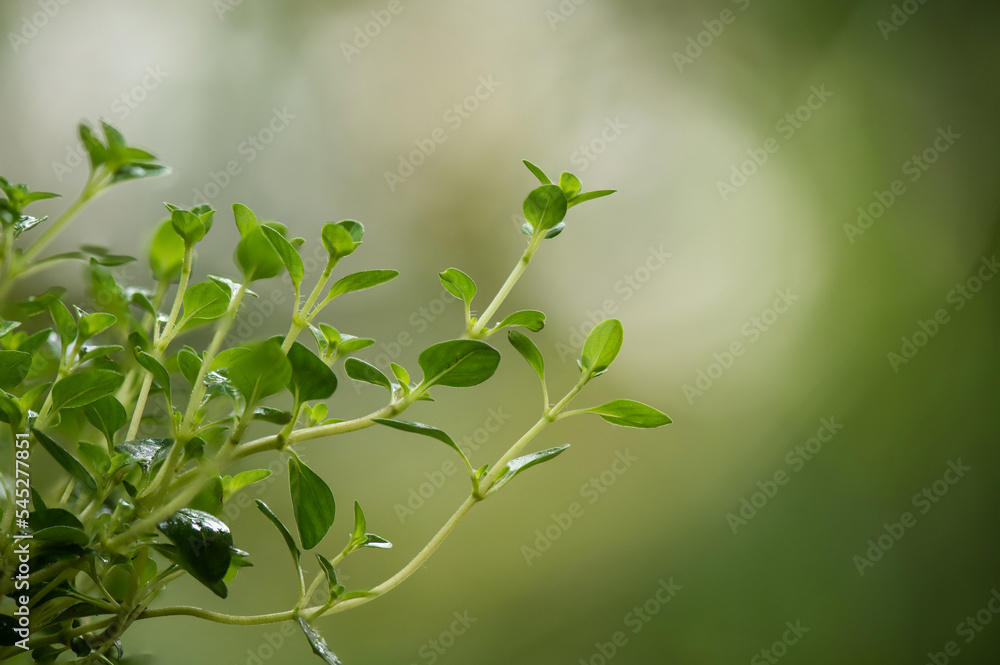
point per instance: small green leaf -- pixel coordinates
(520, 464)
(312, 501)
(91, 352)
(95, 456)
(289, 541)
(147, 453)
(358, 281)
(590, 196)
(359, 370)
(263, 371)
(458, 284)
(66, 461)
(107, 415)
(189, 363)
(570, 185)
(531, 319)
(318, 644)
(203, 302)
(154, 367)
(601, 347)
(94, 324)
(84, 387)
(289, 256)
(204, 546)
(255, 256)
(95, 148)
(523, 344)
(337, 240)
(14, 366)
(401, 374)
(356, 229)
(311, 378)
(166, 253)
(537, 172)
(545, 207)
(233, 484)
(460, 363)
(209, 499)
(65, 324)
(330, 572)
(188, 226)
(629, 413)
(272, 415)
(420, 428)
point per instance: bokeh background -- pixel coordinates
(665, 131)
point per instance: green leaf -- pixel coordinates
(289, 256)
(188, 226)
(95, 148)
(318, 644)
(91, 352)
(65, 323)
(356, 229)
(460, 363)
(255, 256)
(95, 456)
(154, 367)
(56, 525)
(263, 371)
(358, 281)
(166, 253)
(66, 460)
(312, 501)
(204, 546)
(311, 378)
(360, 538)
(233, 484)
(289, 541)
(14, 366)
(94, 324)
(209, 499)
(147, 453)
(135, 171)
(570, 185)
(420, 428)
(601, 347)
(330, 572)
(590, 196)
(189, 363)
(458, 284)
(521, 464)
(350, 344)
(531, 319)
(271, 415)
(628, 413)
(107, 415)
(523, 344)
(359, 370)
(337, 240)
(203, 302)
(8, 326)
(538, 173)
(84, 387)
(545, 207)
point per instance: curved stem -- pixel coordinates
(218, 617)
(508, 286)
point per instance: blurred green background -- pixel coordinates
(661, 101)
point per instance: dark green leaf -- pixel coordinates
(460, 363)
(330, 572)
(311, 379)
(531, 319)
(204, 546)
(312, 501)
(14, 366)
(189, 363)
(601, 347)
(154, 367)
(271, 415)
(147, 453)
(91, 352)
(420, 428)
(66, 461)
(289, 541)
(628, 413)
(135, 171)
(528, 351)
(107, 415)
(458, 284)
(95, 148)
(289, 256)
(520, 464)
(84, 387)
(545, 207)
(358, 281)
(359, 370)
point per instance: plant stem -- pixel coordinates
(218, 617)
(508, 286)
(90, 190)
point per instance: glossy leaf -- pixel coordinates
(66, 460)
(318, 644)
(84, 387)
(458, 284)
(520, 464)
(545, 207)
(601, 347)
(460, 363)
(312, 501)
(629, 413)
(204, 546)
(359, 370)
(312, 378)
(147, 453)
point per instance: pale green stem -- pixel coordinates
(508, 286)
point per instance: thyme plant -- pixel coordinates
(139, 502)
